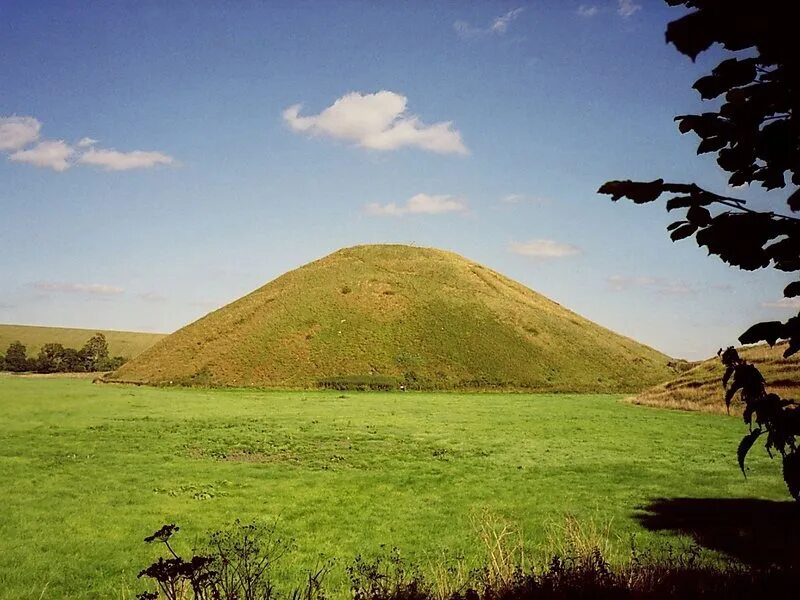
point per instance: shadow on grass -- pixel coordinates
(756, 532)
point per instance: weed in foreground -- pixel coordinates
(239, 566)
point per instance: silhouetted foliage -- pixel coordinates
(237, 566)
(668, 573)
(754, 132)
(779, 419)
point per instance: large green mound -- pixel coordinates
(388, 313)
(120, 343)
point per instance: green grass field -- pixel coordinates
(120, 343)
(86, 471)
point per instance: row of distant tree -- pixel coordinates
(55, 358)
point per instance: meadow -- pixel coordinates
(88, 470)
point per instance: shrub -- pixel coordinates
(359, 383)
(238, 562)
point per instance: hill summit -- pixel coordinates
(398, 315)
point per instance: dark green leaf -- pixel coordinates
(683, 231)
(675, 225)
(794, 200)
(696, 199)
(745, 445)
(711, 144)
(768, 331)
(792, 290)
(698, 215)
(791, 473)
(793, 347)
(640, 192)
(727, 376)
(690, 34)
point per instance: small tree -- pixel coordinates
(72, 361)
(95, 352)
(17, 358)
(50, 359)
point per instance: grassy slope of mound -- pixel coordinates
(700, 388)
(120, 343)
(401, 312)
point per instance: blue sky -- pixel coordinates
(158, 160)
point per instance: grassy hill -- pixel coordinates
(700, 388)
(429, 318)
(120, 343)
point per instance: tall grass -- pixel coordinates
(580, 569)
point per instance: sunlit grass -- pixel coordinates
(87, 471)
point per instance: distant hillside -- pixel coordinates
(700, 388)
(390, 313)
(120, 343)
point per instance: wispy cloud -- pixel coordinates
(19, 137)
(587, 10)
(500, 24)
(377, 121)
(420, 204)
(53, 154)
(621, 283)
(18, 132)
(113, 160)
(63, 287)
(785, 303)
(522, 199)
(544, 249)
(152, 297)
(626, 8)
(497, 26)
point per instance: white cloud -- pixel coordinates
(421, 204)
(18, 132)
(98, 289)
(53, 154)
(792, 303)
(626, 8)
(497, 26)
(500, 24)
(379, 122)
(586, 10)
(544, 249)
(113, 160)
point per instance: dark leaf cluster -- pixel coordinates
(742, 238)
(236, 565)
(755, 130)
(755, 134)
(765, 414)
